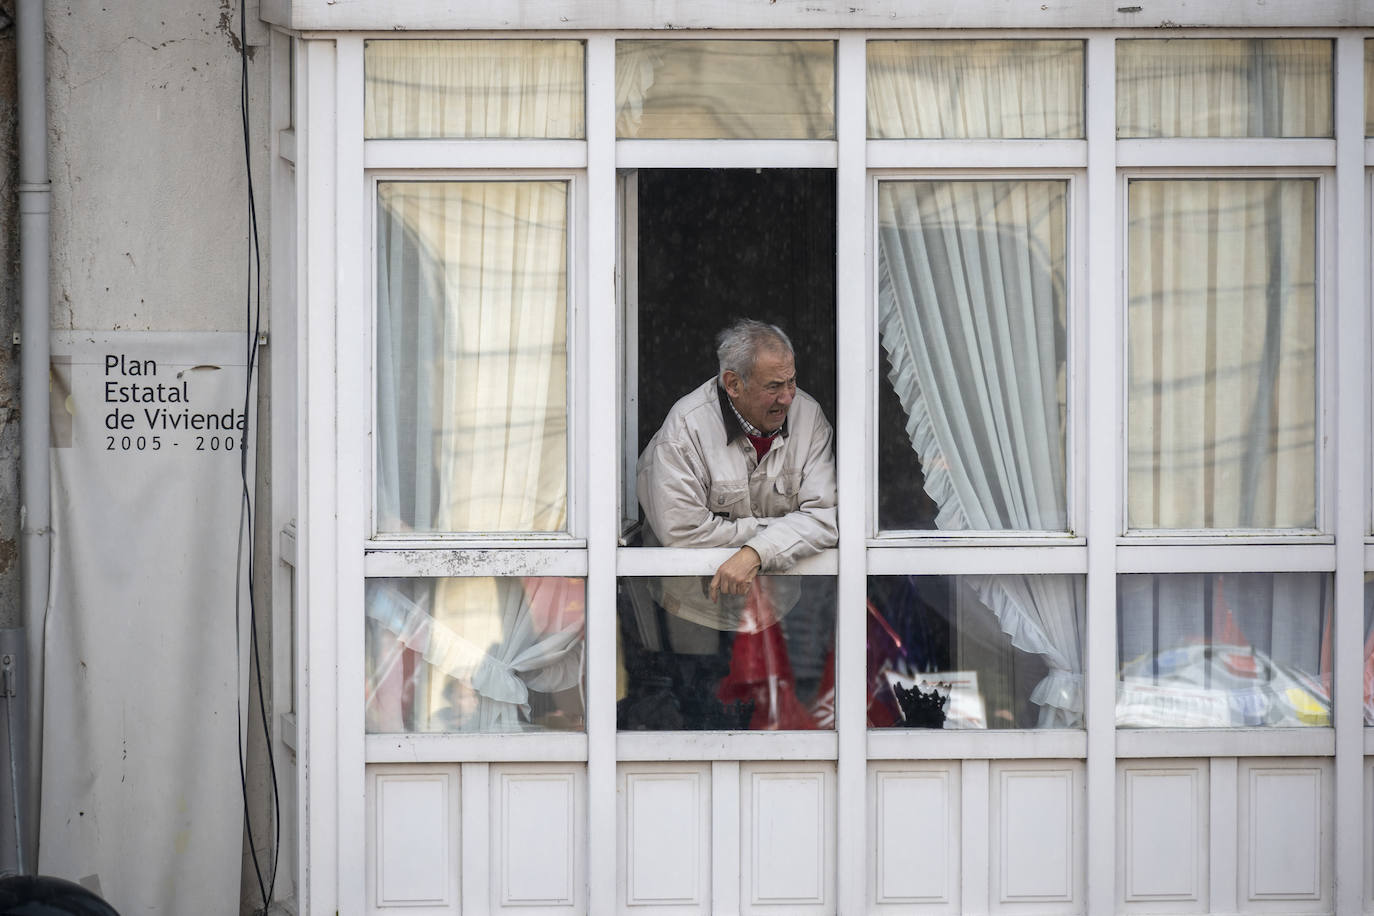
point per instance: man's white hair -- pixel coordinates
(738, 346)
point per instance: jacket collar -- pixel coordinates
(733, 429)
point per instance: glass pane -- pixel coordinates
(975, 89)
(1224, 650)
(471, 422)
(1369, 87)
(972, 306)
(975, 651)
(474, 655)
(1223, 87)
(765, 660)
(473, 89)
(1369, 648)
(1221, 394)
(725, 90)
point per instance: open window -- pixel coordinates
(700, 248)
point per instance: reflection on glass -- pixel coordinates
(1221, 314)
(474, 655)
(761, 661)
(1369, 648)
(972, 306)
(471, 422)
(1217, 650)
(975, 651)
(725, 90)
(987, 88)
(481, 88)
(1223, 87)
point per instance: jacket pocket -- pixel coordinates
(789, 482)
(785, 490)
(729, 498)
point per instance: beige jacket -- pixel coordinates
(702, 485)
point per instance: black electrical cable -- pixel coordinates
(253, 320)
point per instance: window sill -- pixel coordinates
(937, 744)
(976, 539)
(502, 540)
(703, 561)
(763, 745)
(513, 747)
(486, 559)
(1229, 536)
(1216, 742)
(1301, 556)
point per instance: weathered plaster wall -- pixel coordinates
(149, 217)
(149, 197)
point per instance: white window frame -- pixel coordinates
(1324, 464)
(574, 534)
(336, 171)
(995, 151)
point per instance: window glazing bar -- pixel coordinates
(726, 154)
(474, 154)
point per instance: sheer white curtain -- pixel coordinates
(1224, 87)
(483, 88)
(971, 304)
(1221, 392)
(975, 89)
(485, 643)
(471, 419)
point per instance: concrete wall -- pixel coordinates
(149, 195)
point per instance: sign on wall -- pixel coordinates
(140, 793)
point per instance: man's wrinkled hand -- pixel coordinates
(736, 575)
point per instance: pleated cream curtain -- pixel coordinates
(971, 303)
(472, 356)
(725, 89)
(473, 88)
(981, 89)
(1221, 387)
(1224, 87)
(1369, 87)
(471, 426)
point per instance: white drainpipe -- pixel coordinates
(35, 204)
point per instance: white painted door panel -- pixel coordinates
(1036, 842)
(1285, 842)
(1162, 850)
(413, 839)
(915, 838)
(538, 839)
(1369, 835)
(787, 830)
(665, 839)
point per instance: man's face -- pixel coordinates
(764, 399)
